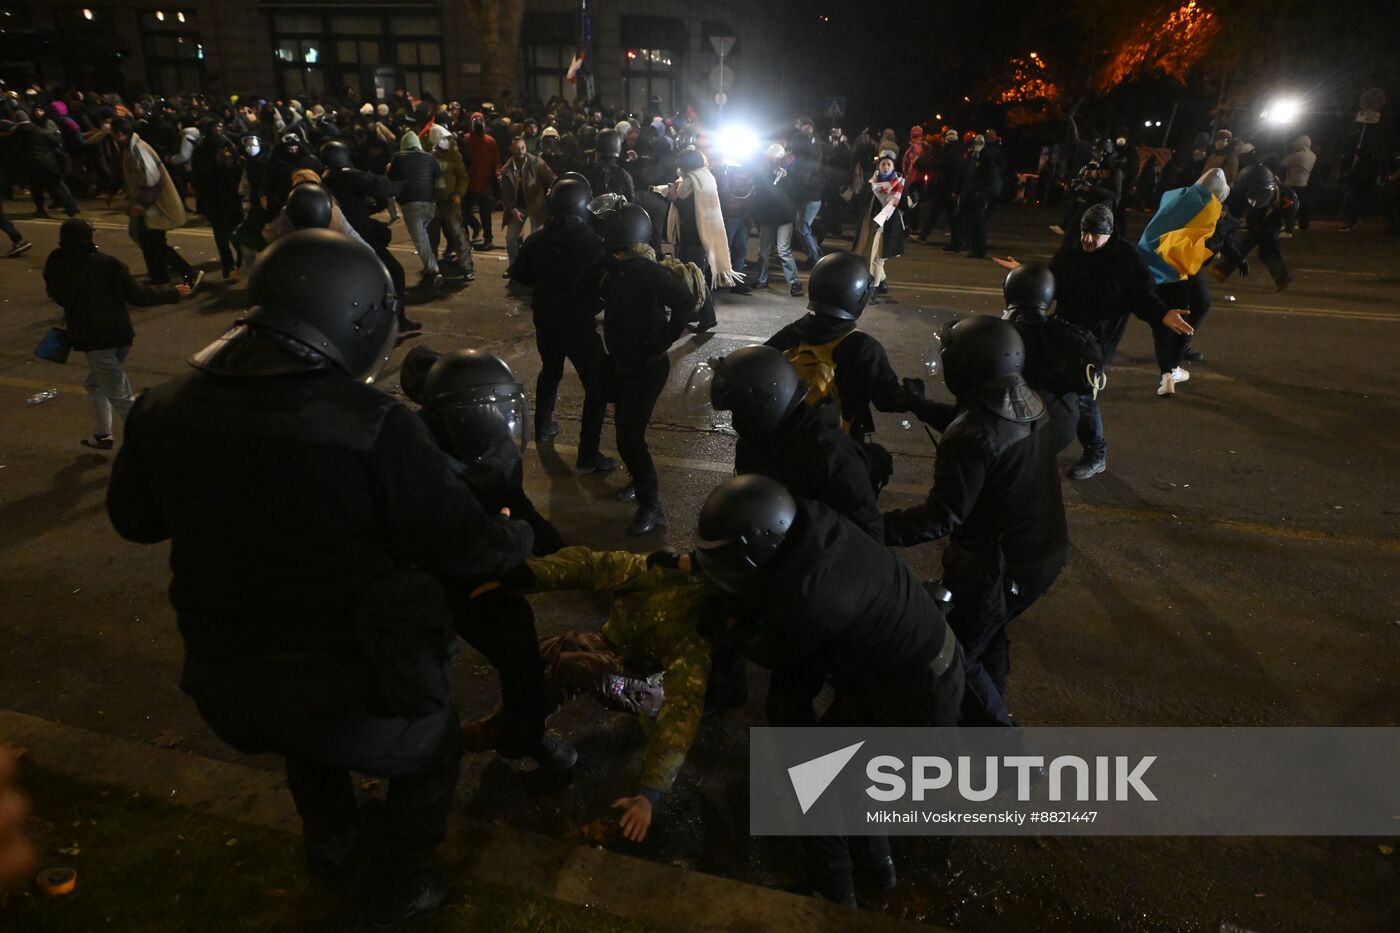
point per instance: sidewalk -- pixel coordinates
(634, 889)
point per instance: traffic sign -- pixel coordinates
(721, 98)
(1373, 98)
(722, 44)
(1368, 116)
(835, 107)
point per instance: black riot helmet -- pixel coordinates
(743, 523)
(309, 205)
(839, 286)
(1028, 291)
(575, 176)
(1256, 185)
(316, 299)
(979, 352)
(587, 136)
(759, 386)
(570, 198)
(690, 159)
(336, 155)
(478, 408)
(609, 144)
(627, 225)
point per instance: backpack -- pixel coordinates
(1062, 357)
(816, 363)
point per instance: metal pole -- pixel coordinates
(1219, 103)
(1170, 120)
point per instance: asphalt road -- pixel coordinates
(1236, 565)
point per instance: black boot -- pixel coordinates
(649, 517)
(405, 899)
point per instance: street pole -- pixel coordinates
(1166, 134)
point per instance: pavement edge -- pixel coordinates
(659, 895)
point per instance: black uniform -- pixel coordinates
(645, 310)
(277, 179)
(311, 624)
(996, 496)
(607, 177)
(359, 194)
(864, 376)
(217, 172)
(1099, 290)
(308, 597)
(810, 455)
(550, 262)
(838, 607)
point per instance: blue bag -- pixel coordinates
(55, 346)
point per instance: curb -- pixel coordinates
(624, 886)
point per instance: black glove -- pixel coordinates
(1244, 268)
(911, 384)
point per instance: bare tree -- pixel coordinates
(497, 26)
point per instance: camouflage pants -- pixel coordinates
(587, 662)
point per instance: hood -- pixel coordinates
(1214, 182)
(60, 108)
(1302, 144)
(410, 141)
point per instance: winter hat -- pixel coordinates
(979, 142)
(318, 111)
(951, 136)
(75, 232)
(382, 110)
(549, 133)
(1223, 133)
(1097, 219)
(294, 105)
(623, 127)
(367, 109)
(889, 154)
(438, 133)
(916, 132)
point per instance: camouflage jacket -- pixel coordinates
(653, 622)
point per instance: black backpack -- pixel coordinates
(1062, 357)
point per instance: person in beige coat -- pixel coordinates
(525, 181)
(154, 206)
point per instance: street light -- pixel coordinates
(1283, 110)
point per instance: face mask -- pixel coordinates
(444, 144)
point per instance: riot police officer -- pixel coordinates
(645, 310)
(818, 601)
(476, 409)
(996, 497)
(359, 195)
(839, 289)
(1028, 292)
(783, 437)
(606, 176)
(550, 262)
(312, 522)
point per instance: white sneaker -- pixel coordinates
(1168, 386)
(1285, 235)
(1057, 230)
(1180, 375)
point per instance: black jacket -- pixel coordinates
(807, 170)
(94, 289)
(774, 198)
(645, 308)
(550, 262)
(277, 175)
(304, 513)
(607, 177)
(839, 603)
(358, 193)
(864, 376)
(417, 173)
(40, 152)
(217, 172)
(996, 487)
(815, 459)
(1099, 290)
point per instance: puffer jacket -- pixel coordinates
(415, 170)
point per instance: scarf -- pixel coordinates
(889, 191)
(688, 272)
(700, 184)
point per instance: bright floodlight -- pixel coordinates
(1283, 110)
(737, 143)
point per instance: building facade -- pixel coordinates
(636, 52)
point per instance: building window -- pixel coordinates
(174, 54)
(649, 80)
(363, 56)
(548, 41)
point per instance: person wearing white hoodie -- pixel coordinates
(1297, 168)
